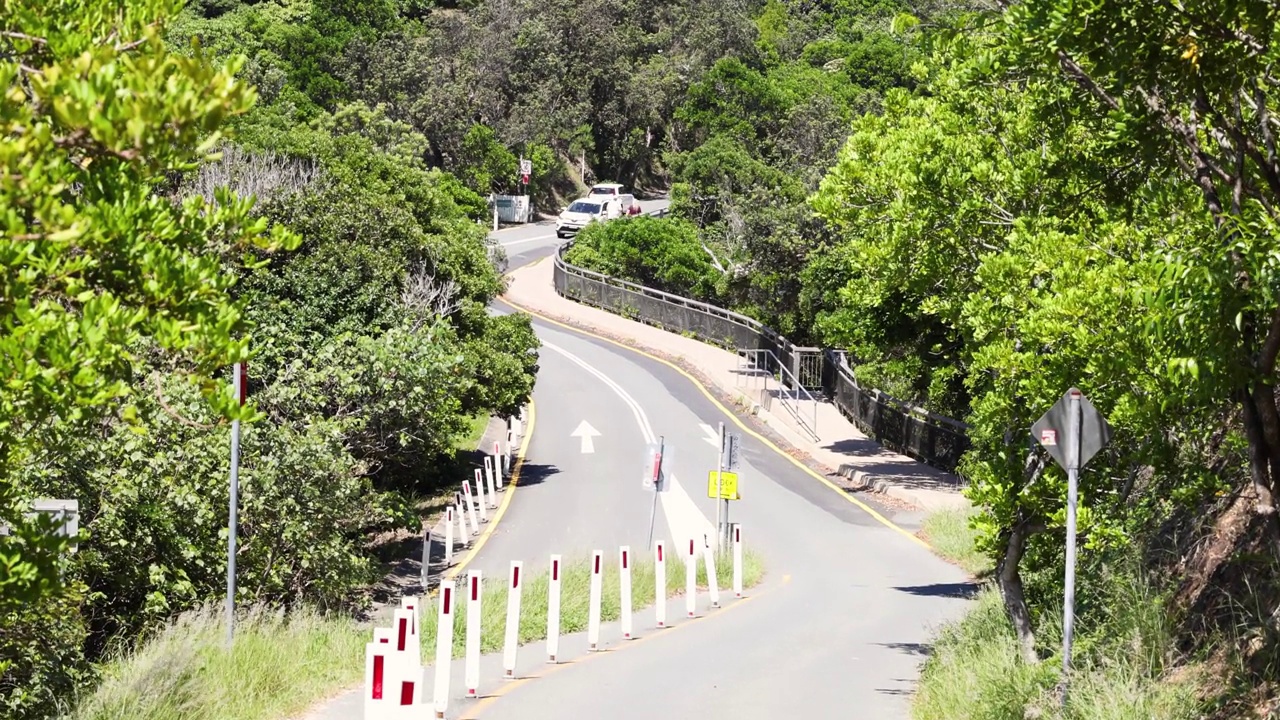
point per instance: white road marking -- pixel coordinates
(683, 516)
(588, 435)
(513, 243)
(712, 437)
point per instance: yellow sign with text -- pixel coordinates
(728, 486)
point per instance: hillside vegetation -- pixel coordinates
(983, 202)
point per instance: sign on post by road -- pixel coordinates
(526, 166)
(729, 452)
(1073, 431)
(722, 486)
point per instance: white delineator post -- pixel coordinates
(473, 632)
(553, 610)
(660, 583)
(499, 467)
(624, 590)
(406, 667)
(444, 650)
(511, 642)
(448, 536)
(377, 666)
(480, 501)
(460, 512)
(493, 485)
(471, 507)
(709, 560)
(690, 581)
(593, 609)
(737, 560)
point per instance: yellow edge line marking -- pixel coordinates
(734, 418)
(484, 702)
(452, 572)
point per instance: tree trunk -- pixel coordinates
(1009, 580)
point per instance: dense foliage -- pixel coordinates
(139, 267)
(1031, 197)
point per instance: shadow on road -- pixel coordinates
(921, 649)
(536, 474)
(962, 590)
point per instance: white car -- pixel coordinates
(581, 213)
(612, 190)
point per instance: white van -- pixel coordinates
(582, 212)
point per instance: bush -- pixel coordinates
(661, 253)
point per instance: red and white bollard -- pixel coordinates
(737, 560)
(471, 507)
(499, 464)
(660, 583)
(493, 486)
(709, 560)
(624, 590)
(511, 642)
(464, 535)
(378, 672)
(553, 610)
(448, 536)
(474, 589)
(690, 581)
(480, 501)
(406, 674)
(593, 609)
(444, 649)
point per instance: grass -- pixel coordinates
(952, 537)
(283, 664)
(477, 424)
(1122, 668)
(279, 665)
(575, 596)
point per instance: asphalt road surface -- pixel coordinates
(838, 628)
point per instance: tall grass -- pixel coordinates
(1120, 670)
(282, 664)
(950, 534)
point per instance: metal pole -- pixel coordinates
(653, 512)
(719, 491)
(233, 507)
(1069, 599)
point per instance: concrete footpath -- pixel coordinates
(842, 451)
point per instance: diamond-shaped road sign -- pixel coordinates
(1051, 429)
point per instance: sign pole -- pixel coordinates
(719, 487)
(1073, 476)
(239, 382)
(657, 478)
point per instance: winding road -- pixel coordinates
(837, 629)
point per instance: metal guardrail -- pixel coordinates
(791, 393)
(896, 424)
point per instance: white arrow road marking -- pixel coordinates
(712, 437)
(683, 516)
(588, 435)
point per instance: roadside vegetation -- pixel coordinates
(1043, 195)
(285, 662)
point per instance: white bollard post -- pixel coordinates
(499, 467)
(448, 536)
(493, 485)
(553, 610)
(413, 644)
(512, 640)
(471, 507)
(709, 560)
(660, 583)
(593, 609)
(690, 581)
(459, 511)
(406, 669)
(624, 590)
(737, 560)
(377, 667)
(481, 503)
(473, 633)
(444, 650)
